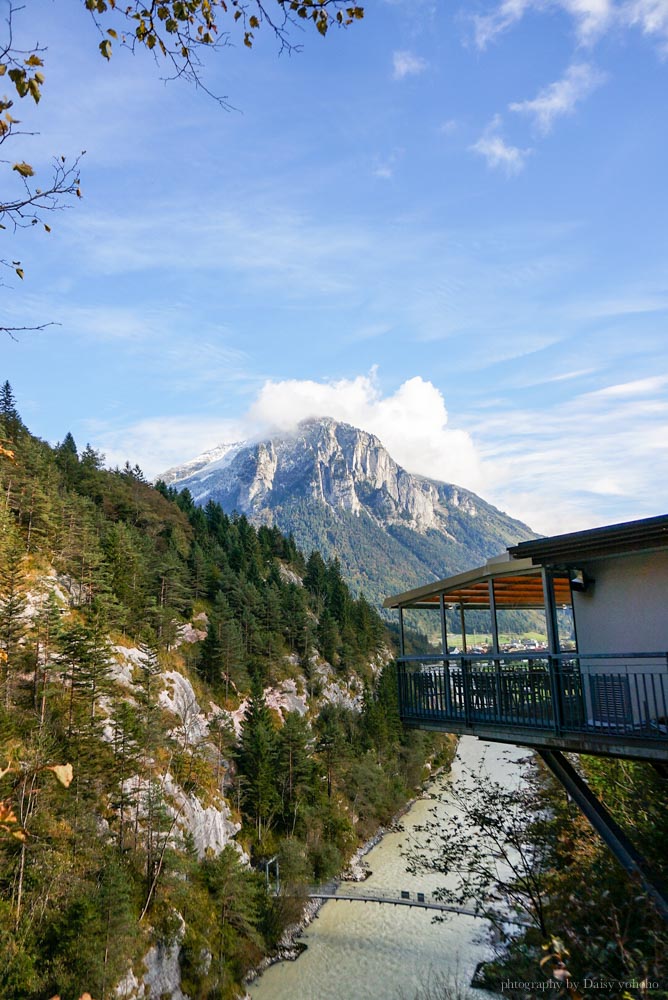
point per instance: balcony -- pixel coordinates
(611, 704)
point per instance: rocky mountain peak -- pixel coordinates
(336, 488)
(324, 460)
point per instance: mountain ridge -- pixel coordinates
(336, 488)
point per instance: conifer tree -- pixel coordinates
(12, 601)
(67, 459)
(46, 632)
(295, 765)
(258, 758)
(11, 424)
(221, 657)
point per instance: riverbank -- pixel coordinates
(384, 952)
(290, 945)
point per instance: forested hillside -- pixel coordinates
(180, 693)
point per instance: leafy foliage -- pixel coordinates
(93, 561)
(531, 851)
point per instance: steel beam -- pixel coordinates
(607, 828)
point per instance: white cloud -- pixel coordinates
(591, 458)
(497, 152)
(406, 63)
(592, 18)
(412, 422)
(651, 16)
(487, 26)
(448, 127)
(560, 98)
(638, 387)
(157, 443)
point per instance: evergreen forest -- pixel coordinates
(142, 640)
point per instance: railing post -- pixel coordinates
(466, 687)
(554, 667)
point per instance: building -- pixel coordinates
(600, 687)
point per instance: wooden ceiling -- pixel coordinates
(520, 590)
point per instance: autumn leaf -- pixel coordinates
(63, 773)
(24, 169)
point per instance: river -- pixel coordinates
(381, 952)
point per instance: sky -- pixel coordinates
(446, 224)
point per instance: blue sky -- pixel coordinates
(446, 224)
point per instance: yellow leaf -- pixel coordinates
(3, 69)
(34, 60)
(19, 271)
(24, 169)
(254, 23)
(63, 773)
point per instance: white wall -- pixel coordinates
(626, 608)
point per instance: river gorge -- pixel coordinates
(383, 952)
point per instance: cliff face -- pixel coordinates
(324, 461)
(336, 488)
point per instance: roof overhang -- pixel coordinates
(517, 583)
(647, 535)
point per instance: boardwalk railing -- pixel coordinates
(352, 891)
(616, 694)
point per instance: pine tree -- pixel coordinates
(295, 765)
(258, 753)
(46, 632)
(11, 424)
(67, 459)
(12, 601)
(221, 656)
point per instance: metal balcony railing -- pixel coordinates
(614, 694)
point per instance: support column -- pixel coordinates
(556, 685)
(444, 629)
(605, 825)
(498, 687)
(550, 612)
(447, 704)
(401, 632)
(463, 626)
(492, 613)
